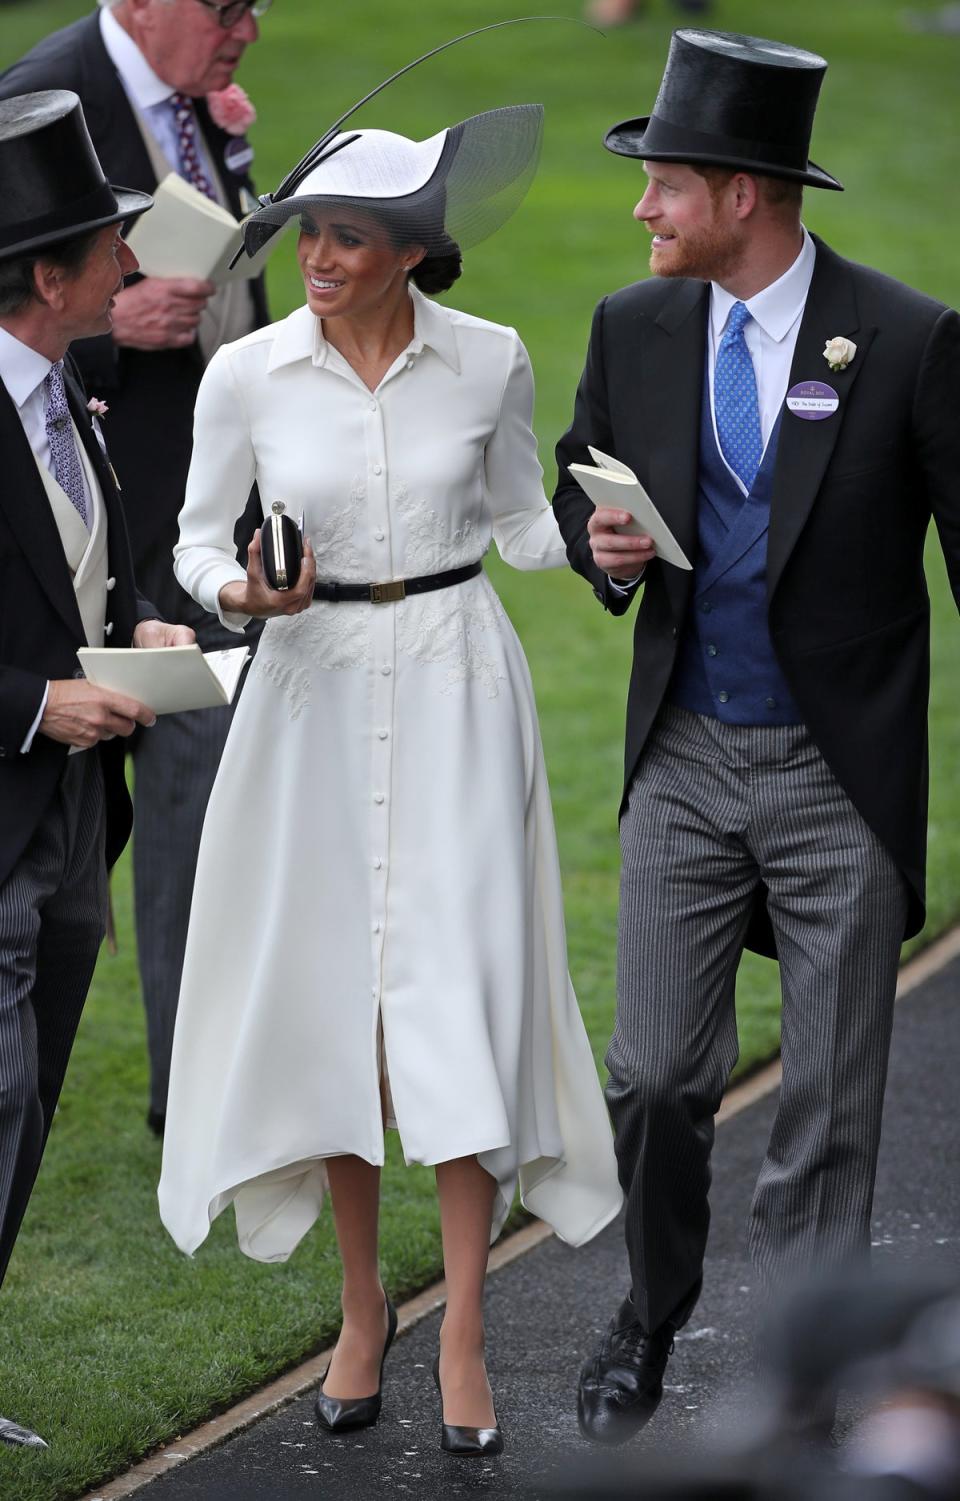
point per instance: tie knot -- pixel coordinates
(739, 315)
(179, 102)
(56, 390)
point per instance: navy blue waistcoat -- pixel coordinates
(726, 666)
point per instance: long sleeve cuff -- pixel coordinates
(36, 723)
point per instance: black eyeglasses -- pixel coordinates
(229, 14)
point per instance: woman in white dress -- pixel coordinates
(377, 930)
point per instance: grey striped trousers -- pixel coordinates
(715, 812)
(52, 916)
(175, 766)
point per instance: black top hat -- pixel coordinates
(732, 101)
(51, 183)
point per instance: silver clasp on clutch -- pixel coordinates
(277, 510)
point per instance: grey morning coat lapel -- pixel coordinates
(27, 510)
(806, 447)
(672, 375)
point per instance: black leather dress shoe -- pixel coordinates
(23, 1438)
(156, 1120)
(340, 1414)
(621, 1386)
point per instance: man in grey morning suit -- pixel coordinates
(146, 72)
(66, 581)
(776, 767)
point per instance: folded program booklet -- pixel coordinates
(187, 234)
(612, 483)
(168, 679)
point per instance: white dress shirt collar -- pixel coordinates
(143, 86)
(777, 308)
(300, 336)
(22, 369)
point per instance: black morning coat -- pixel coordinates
(40, 630)
(151, 394)
(853, 496)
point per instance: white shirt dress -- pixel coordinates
(378, 892)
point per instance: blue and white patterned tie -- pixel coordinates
(735, 399)
(186, 123)
(63, 447)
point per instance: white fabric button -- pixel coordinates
(377, 862)
(378, 468)
(373, 406)
(378, 535)
(382, 734)
(108, 629)
(378, 797)
(111, 584)
(376, 927)
(410, 363)
(386, 670)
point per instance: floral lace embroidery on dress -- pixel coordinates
(448, 627)
(329, 636)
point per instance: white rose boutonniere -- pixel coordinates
(839, 352)
(97, 407)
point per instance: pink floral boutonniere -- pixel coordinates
(97, 407)
(231, 110)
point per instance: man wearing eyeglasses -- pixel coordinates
(144, 70)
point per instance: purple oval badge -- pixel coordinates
(238, 155)
(812, 400)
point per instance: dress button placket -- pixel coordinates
(382, 661)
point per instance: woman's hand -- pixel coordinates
(255, 597)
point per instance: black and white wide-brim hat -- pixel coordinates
(729, 100)
(52, 185)
(458, 186)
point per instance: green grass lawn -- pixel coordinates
(111, 1340)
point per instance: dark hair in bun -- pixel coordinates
(436, 273)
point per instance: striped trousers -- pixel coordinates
(52, 917)
(718, 813)
(175, 766)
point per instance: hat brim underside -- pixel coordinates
(626, 139)
(129, 204)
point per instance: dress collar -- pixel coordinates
(778, 306)
(300, 336)
(143, 86)
(22, 369)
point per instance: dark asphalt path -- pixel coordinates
(547, 1309)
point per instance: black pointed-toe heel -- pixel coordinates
(466, 1443)
(341, 1414)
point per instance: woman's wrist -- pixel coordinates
(232, 599)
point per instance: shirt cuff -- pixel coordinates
(36, 723)
(623, 586)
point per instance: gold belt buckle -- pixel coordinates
(385, 594)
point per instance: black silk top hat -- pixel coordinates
(728, 100)
(51, 182)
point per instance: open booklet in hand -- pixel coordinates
(168, 679)
(188, 234)
(614, 484)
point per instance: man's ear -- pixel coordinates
(746, 194)
(49, 284)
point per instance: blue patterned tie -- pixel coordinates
(186, 123)
(63, 448)
(735, 399)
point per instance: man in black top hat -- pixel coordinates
(793, 417)
(150, 75)
(67, 581)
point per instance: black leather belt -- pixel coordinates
(393, 589)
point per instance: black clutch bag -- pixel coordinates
(281, 548)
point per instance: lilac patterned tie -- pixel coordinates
(186, 123)
(63, 447)
(735, 399)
